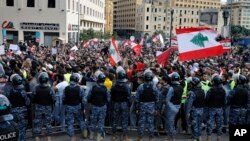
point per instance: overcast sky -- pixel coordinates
(223, 1)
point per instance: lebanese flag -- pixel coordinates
(226, 45)
(162, 58)
(197, 43)
(136, 48)
(158, 37)
(114, 56)
(174, 42)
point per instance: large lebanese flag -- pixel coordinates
(114, 56)
(162, 58)
(136, 48)
(197, 43)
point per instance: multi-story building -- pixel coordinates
(240, 12)
(44, 21)
(125, 16)
(153, 15)
(108, 16)
(198, 4)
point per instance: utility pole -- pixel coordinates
(171, 27)
(78, 32)
(230, 22)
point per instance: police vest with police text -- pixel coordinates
(8, 131)
(72, 95)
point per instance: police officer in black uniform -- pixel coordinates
(195, 107)
(43, 99)
(8, 128)
(19, 100)
(215, 101)
(120, 97)
(73, 100)
(238, 100)
(98, 96)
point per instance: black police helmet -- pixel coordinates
(121, 75)
(43, 78)
(74, 78)
(16, 80)
(217, 80)
(241, 79)
(175, 77)
(148, 76)
(101, 78)
(195, 81)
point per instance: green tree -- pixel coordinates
(239, 31)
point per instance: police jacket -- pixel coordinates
(18, 97)
(216, 97)
(98, 95)
(196, 99)
(174, 93)
(147, 92)
(120, 92)
(44, 96)
(238, 98)
(73, 95)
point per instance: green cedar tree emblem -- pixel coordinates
(112, 51)
(199, 40)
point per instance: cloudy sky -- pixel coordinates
(223, 0)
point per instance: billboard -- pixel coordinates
(209, 17)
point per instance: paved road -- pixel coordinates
(179, 137)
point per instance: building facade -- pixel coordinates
(240, 12)
(151, 16)
(125, 16)
(45, 21)
(156, 15)
(108, 16)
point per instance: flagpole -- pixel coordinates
(171, 26)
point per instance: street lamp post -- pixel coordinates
(171, 27)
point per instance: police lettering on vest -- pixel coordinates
(119, 93)
(8, 136)
(16, 99)
(98, 96)
(43, 96)
(72, 96)
(147, 94)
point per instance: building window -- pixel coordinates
(30, 3)
(147, 9)
(155, 18)
(155, 27)
(147, 18)
(73, 5)
(68, 4)
(51, 3)
(9, 2)
(146, 26)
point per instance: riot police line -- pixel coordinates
(144, 106)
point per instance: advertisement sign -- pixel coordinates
(209, 17)
(37, 37)
(40, 26)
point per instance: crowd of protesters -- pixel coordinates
(176, 86)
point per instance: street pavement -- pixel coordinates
(132, 135)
